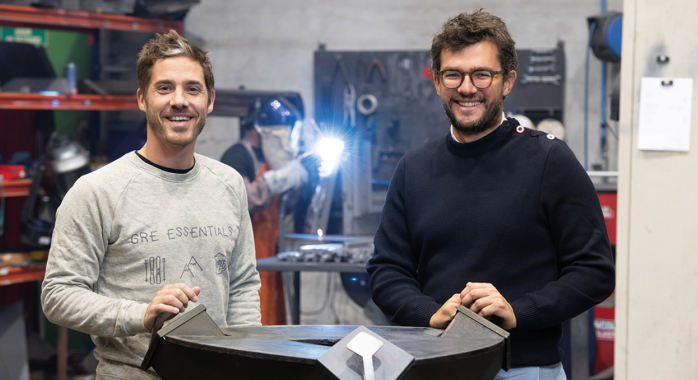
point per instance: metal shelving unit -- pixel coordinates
(21, 16)
(18, 275)
(68, 102)
(17, 15)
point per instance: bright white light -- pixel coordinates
(329, 149)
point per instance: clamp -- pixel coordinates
(376, 64)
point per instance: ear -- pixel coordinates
(437, 85)
(509, 82)
(210, 101)
(141, 101)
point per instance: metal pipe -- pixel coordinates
(62, 354)
(602, 174)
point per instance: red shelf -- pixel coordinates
(15, 187)
(17, 15)
(12, 275)
(17, 101)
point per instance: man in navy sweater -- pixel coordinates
(495, 217)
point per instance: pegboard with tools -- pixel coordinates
(539, 91)
(385, 98)
(388, 98)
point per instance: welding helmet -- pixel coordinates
(61, 165)
(278, 123)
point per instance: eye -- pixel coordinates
(482, 75)
(452, 75)
(164, 88)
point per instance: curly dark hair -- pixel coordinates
(169, 45)
(468, 29)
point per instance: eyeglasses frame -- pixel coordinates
(463, 74)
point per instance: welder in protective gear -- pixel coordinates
(265, 157)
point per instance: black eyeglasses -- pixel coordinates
(479, 78)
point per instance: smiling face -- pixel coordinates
(474, 112)
(177, 101)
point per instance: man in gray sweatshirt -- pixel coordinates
(156, 229)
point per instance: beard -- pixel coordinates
(491, 116)
(159, 130)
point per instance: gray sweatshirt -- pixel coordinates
(128, 229)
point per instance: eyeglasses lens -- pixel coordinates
(454, 79)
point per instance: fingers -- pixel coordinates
(159, 308)
(170, 299)
(178, 295)
(476, 290)
(485, 300)
(445, 314)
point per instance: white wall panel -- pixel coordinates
(657, 303)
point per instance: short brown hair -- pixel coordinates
(468, 29)
(169, 45)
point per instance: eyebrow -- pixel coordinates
(474, 69)
(188, 83)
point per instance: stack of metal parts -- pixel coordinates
(162, 9)
(350, 252)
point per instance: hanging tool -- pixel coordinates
(548, 79)
(372, 104)
(376, 64)
(543, 59)
(542, 69)
(349, 92)
(349, 106)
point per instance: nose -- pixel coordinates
(467, 87)
(179, 99)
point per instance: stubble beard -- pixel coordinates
(159, 130)
(491, 117)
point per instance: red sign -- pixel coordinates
(608, 207)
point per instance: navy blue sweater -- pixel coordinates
(513, 209)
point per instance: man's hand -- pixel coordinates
(485, 300)
(445, 314)
(170, 299)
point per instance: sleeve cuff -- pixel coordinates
(421, 314)
(526, 313)
(135, 315)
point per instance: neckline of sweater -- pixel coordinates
(496, 138)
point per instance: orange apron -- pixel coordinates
(265, 225)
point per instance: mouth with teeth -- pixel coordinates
(179, 119)
(468, 103)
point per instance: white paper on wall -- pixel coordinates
(665, 114)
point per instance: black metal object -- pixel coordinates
(606, 36)
(195, 322)
(240, 103)
(19, 59)
(191, 346)
(465, 325)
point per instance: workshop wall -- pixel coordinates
(269, 45)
